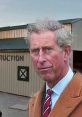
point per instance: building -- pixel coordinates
(17, 74)
(75, 27)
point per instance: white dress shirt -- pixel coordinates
(60, 86)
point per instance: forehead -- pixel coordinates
(42, 39)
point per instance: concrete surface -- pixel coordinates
(13, 105)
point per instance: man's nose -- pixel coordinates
(41, 58)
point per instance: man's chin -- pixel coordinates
(46, 78)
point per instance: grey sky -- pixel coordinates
(17, 12)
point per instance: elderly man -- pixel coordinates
(50, 48)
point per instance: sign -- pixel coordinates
(11, 58)
(23, 73)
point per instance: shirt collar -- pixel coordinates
(60, 86)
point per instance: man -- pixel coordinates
(50, 49)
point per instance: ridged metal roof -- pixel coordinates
(70, 20)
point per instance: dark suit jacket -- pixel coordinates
(69, 103)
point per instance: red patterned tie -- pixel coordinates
(47, 103)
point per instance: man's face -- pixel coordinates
(48, 58)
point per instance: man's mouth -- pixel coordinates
(44, 68)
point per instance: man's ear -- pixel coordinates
(67, 51)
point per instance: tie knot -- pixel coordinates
(49, 92)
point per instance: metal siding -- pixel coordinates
(68, 27)
(8, 76)
(13, 33)
(77, 33)
(8, 69)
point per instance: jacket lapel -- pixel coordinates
(36, 104)
(69, 99)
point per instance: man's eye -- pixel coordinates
(35, 51)
(47, 50)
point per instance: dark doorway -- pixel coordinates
(77, 61)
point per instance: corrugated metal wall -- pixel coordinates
(13, 33)
(77, 32)
(8, 68)
(8, 76)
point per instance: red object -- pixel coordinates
(47, 103)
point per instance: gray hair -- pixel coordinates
(63, 36)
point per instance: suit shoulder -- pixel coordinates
(78, 75)
(33, 98)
